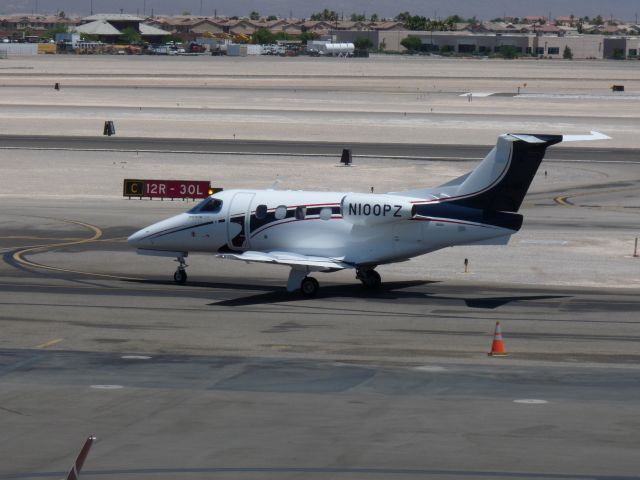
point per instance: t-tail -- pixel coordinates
(74, 473)
(493, 192)
(501, 181)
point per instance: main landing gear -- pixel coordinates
(309, 287)
(180, 277)
(298, 280)
(369, 278)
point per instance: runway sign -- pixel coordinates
(167, 188)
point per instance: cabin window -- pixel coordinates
(325, 213)
(281, 212)
(261, 212)
(301, 212)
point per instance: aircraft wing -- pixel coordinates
(289, 259)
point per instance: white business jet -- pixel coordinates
(331, 231)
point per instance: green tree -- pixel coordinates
(283, 36)
(172, 38)
(413, 44)
(51, 33)
(454, 19)
(508, 52)
(271, 18)
(131, 36)
(375, 17)
(186, 13)
(306, 36)
(357, 17)
(262, 36)
(567, 54)
(618, 54)
(363, 43)
(254, 15)
(326, 15)
(89, 37)
(598, 20)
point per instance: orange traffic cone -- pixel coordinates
(497, 347)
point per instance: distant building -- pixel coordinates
(536, 45)
(110, 27)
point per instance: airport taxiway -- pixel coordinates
(229, 376)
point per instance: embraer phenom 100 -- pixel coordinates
(331, 231)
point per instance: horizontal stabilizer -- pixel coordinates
(289, 259)
(503, 240)
(585, 138)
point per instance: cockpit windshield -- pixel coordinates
(208, 205)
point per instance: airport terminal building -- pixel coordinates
(539, 44)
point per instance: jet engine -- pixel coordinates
(363, 209)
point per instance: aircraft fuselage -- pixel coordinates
(359, 229)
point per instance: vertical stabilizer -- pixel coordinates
(501, 180)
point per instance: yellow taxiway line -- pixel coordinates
(564, 199)
(97, 234)
(49, 343)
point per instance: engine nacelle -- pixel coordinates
(364, 209)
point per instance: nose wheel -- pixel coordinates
(180, 277)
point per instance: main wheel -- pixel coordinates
(309, 287)
(371, 280)
(180, 277)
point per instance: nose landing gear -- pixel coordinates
(180, 277)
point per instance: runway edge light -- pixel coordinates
(497, 346)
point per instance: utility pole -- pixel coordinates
(200, 7)
(91, 7)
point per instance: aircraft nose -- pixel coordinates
(136, 240)
(160, 236)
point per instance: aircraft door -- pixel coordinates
(238, 217)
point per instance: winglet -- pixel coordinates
(74, 473)
(581, 138)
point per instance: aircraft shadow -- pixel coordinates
(207, 285)
(388, 291)
(495, 302)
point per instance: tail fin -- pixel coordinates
(501, 180)
(74, 473)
